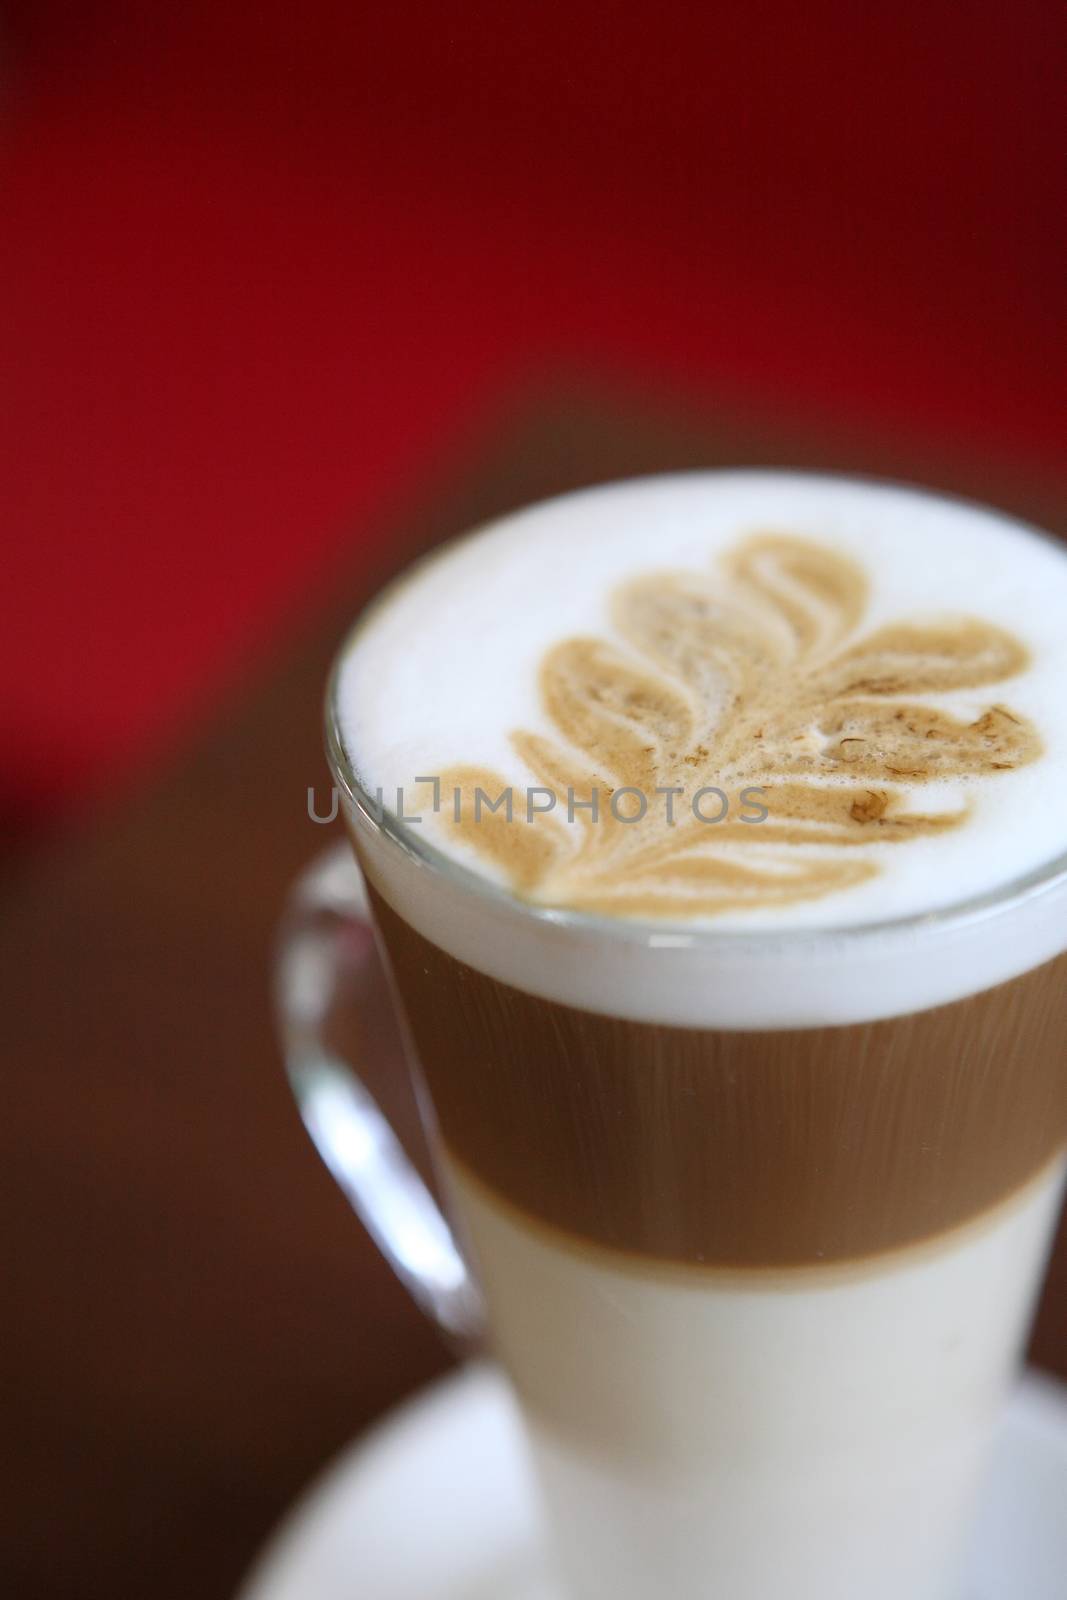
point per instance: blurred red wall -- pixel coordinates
(262, 263)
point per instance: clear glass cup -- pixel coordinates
(812, 1425)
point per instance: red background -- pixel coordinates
(267, 271)
(262, 264)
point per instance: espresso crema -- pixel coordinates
(712, 826)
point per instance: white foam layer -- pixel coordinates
(813, 1435)
(445, 667)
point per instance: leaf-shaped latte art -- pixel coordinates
(904, 659)
(720, 685)
(920, 743)
(678, 622)
(628, 719)
(819, 593)
(711, 884)
(526, 853)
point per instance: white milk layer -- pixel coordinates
(444, 668)
(800, 1436)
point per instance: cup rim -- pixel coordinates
(1037, 881)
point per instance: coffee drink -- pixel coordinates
(713, 833)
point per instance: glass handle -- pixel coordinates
(325, 939)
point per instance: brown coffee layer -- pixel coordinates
(782, 1148)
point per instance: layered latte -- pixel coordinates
(713, 834)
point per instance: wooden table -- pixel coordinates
(194, 1321)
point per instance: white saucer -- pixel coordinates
(436, 1505)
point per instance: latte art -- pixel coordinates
(752, 678)
(733, 700)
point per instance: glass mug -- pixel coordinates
(759, 1282)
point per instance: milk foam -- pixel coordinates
(450, 665)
